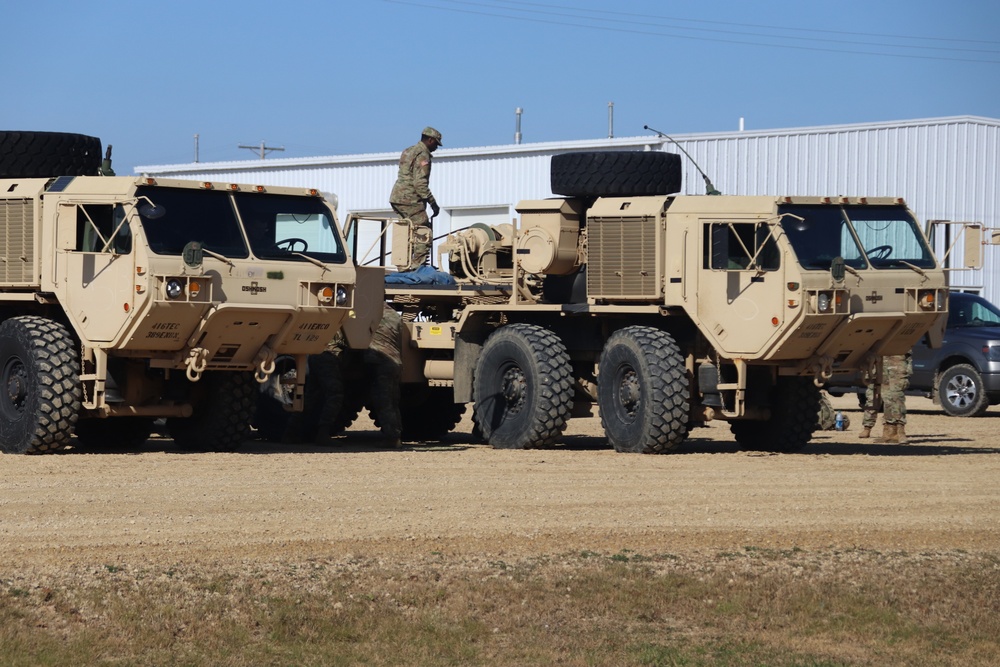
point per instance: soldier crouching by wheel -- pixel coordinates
(384, 361)
(379, 369)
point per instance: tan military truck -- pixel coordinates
(128, 299)
(663, 311)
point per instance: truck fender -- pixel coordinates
(369, 297)
(468, 347)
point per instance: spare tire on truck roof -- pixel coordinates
(615, 173)
(47, 154)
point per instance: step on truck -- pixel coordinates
(657, 311)
(125, 300)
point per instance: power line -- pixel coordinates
(772, 44)
(748, 25)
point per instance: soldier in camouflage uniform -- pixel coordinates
(324, 396)
(896, 371)
(411, 195)
(384, 361)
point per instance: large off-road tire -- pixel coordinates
(40, 392)
(224, 405)
(794, 404)
(961, 392)
(114, 434)
(523, 387)
(429, 413)
(615, 173)
(45, 154)
(642, 391)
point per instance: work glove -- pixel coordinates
(435, 208)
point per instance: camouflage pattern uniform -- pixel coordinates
(896, 371)
(384, 360)
(324, 395)
(411, 195)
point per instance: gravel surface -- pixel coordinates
(270, 501)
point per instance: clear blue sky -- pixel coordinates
(337, 76)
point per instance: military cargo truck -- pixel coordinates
(662, 311)
(128, 299)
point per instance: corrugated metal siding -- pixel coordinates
(945, 168)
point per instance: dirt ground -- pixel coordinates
(939, 492)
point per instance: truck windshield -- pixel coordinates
(278, 226)
(183, 215)
(285, 227)
(879, 236)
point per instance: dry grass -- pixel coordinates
(753, 607)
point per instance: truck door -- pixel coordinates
(95, 267)
(741, 285)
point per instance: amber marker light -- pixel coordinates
(326, 294)
(775, 321)
(234, 186)
(194, 289)
(259, 188)
(926, 301)
(207, 185)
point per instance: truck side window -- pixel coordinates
(740, 246)
(95, 225)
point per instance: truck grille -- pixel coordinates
(17, 243)
(621, 262)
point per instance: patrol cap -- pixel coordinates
(432, 133)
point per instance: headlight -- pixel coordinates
(341, 296)
(992, 352)
(823, 302)
(174, 288)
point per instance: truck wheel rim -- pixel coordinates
(514, 389)
(15, 385)
(961, 391)
(629, 393)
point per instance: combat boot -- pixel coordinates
(866, 432)
(901, 434)
(888, 435)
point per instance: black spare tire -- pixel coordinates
(45, 154)
(615, 173)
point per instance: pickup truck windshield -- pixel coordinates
(878, 236)
(277, 226)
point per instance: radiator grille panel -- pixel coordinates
(17, 242)
(622, 258)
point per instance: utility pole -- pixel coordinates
(263, 149)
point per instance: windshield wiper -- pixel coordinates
(313, 260)
(914, 267)
(218, 256)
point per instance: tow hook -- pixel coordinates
(265, 364)
(196, 362)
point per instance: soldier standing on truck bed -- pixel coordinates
(411, 195)
(896, 371)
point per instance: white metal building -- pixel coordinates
(945, 169)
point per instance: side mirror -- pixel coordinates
(152, 211)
